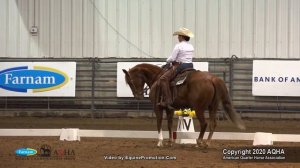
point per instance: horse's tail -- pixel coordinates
(222, 93)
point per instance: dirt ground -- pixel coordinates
(109, 152)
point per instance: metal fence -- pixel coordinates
(96, 91)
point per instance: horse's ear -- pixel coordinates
(126, 72)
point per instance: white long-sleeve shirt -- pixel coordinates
(183, 52)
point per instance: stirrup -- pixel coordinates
(170, 107)
(165, 105)
(162, 104)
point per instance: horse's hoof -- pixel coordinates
(205, 151)
(202, 145)
(205, 146)
(160, 144)
(170, 144)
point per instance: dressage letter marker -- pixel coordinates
(185, 124)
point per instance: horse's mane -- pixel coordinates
(144, 67)
(147, 67)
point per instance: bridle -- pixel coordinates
(135, 92)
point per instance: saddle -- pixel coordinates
(179, 79)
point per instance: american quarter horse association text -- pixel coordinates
(201, 91)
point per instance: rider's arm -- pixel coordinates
(174, 54)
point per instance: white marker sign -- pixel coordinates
(276, 78)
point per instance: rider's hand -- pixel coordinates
(166, 66)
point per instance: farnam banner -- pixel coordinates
(37, 79)
(276, 78)
(123, 90)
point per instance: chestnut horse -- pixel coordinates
(201, 91)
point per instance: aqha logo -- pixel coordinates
(39, 79)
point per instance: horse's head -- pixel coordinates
(136, 82)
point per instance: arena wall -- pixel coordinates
(143, 28)
(99, 33)
(96, 93)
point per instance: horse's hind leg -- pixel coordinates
(203, 125)
(213, 122)
(170, 115)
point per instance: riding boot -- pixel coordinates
(166, 92)
(165, 88)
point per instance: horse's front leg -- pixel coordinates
(170, 115)
(159, 117)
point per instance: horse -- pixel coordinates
(201, 91)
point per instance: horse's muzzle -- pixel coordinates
(139, 96)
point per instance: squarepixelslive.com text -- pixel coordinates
(262, 154)
(131, 157)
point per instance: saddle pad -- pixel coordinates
(180, 81)
(180, 78)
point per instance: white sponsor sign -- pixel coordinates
(276, 78)
(41, 79)
(123, 90)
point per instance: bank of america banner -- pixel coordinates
(276, 78)
(42, 79)
(123, 90)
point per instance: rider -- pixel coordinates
(180, 59)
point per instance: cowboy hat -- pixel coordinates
(184, 32)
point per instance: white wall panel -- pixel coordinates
(247, 28)
(224, 28)
(122, 25)
(101, 26)
(44, 27)
(166, 29)
(77, 29)
(143, 28)
(236, 28)
(112, 43)
(3, 27)
(55, 28)
(66, 28)
(23, 28)
(88, 28)
(178, 14)
(34, 21)
(271, 30)
(133, 28)
(259, 32)
(283, 29)
(294, 33)
(156, 29)
(213, 27)
(13, 29)
(201, 32)
(190, 17)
